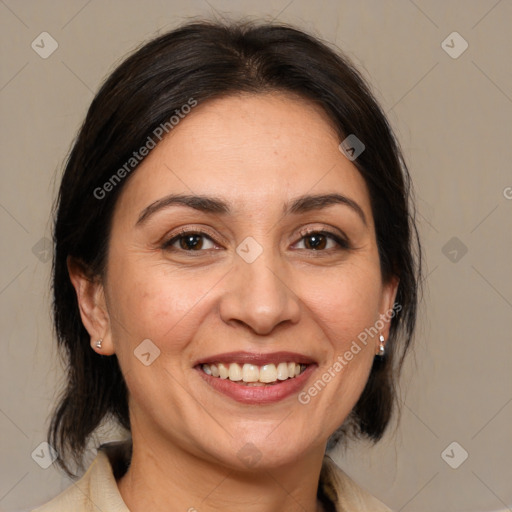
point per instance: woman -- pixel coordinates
(234, 279)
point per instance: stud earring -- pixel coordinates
(381, 345)
(98, 343)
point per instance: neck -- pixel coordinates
(173, 479)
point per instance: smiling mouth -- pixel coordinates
(254, 375)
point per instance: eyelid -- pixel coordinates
(336, 235)
(169, 240)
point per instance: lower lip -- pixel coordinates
(259, 394)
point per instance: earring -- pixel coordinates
(98, 343)
(381, 345)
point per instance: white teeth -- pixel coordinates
(268, 373)
(250, 373)
(235, 372)
(282, 371)
(253, 375)
(223, 371)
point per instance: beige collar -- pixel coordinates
(97, 489)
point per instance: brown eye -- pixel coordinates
(315, 241)
(319, 241)
(190, 241)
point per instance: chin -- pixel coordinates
(258, 450)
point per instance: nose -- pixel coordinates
(259, 295)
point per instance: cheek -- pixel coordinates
(155, 304)
(344, 303)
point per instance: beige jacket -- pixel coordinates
(97, 489)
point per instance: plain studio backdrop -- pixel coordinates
(442, 72)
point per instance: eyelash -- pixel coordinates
(342, 243)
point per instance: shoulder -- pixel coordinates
(97, 489)
(345, 493)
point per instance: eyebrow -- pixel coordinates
(208, 204)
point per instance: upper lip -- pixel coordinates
(257, 359)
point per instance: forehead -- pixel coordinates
(253, 150)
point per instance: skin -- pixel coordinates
(255, 152)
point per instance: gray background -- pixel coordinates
(453, 118)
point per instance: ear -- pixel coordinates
(92, 304)
(388, 309)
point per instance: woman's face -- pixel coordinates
(249, 294)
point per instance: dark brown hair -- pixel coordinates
(205, 60)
